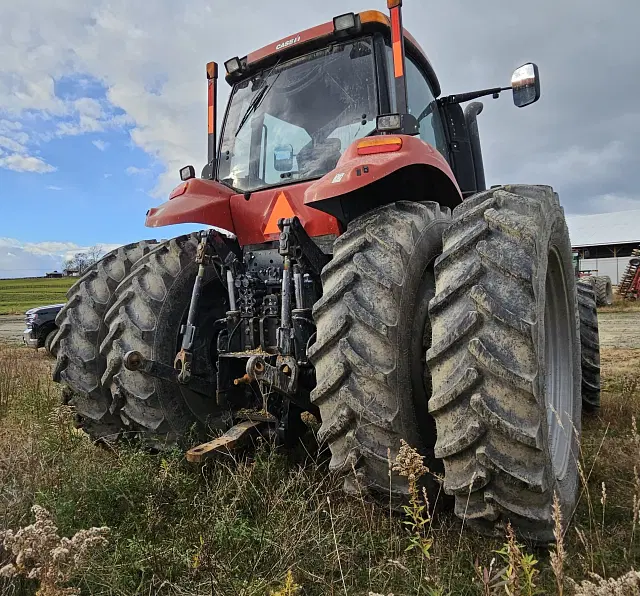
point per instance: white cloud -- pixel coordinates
(132, 170)
(33, 259)
(87, 115)
(26, 163)
(86, 106)
(11, 144)
(102, 145)
(108, 175)
(54, 188)
(9, 126)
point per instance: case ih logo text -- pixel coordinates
(289, 42)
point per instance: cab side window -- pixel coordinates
(422, 103)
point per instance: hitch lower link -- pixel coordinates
(135, 361)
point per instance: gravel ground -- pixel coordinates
(617, 329)
(11, 328)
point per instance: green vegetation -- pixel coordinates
(19, 295)
(271, 522)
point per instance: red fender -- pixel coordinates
(195, 201)
(355, 171)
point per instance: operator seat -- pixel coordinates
(316, 159)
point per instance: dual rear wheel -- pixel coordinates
(499, 354)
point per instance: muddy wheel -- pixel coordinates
(373, 329)
(505, 361)
(590, 343)
(150, 307)
(81, 329)
(604, 292)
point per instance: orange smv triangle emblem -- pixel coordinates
(281, 210)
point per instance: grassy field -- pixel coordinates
(19, 295)
(278, 523)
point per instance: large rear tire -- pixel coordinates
(150, 307)
(81, 329)
(590, 343)
(372, 332)
(505, 362)
(604, 291)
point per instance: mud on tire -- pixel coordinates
(372, 332)
(81, 329)
(590, 343)
(495, 348)
(150, 307)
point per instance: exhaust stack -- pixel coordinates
(397, 45)
(212, 115)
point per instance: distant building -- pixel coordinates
(72, 273)
(605, 241)
(54, 274)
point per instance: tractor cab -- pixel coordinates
(297, 105)
(303, 110)
(294, 113)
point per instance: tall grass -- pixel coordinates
(276, 522)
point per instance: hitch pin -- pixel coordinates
(242, 380)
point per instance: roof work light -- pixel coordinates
(233, 65)
(345, 22)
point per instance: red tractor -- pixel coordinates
(334, 279)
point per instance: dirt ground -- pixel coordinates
(11, 328)
(617, 329)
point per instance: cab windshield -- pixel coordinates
(293, 121)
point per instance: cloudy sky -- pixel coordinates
(102, 101)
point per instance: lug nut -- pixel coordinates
(132, 360)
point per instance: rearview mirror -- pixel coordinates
(525, 83)
(283, 158)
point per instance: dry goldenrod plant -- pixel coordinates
(627, 585)
(410, 464)
(558, 556)
(38, 552)
(289, 588)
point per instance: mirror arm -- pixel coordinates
(462, 97)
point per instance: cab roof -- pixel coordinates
(370, 20)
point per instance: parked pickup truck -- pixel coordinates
(41, 326)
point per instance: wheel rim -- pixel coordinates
(559, 365)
